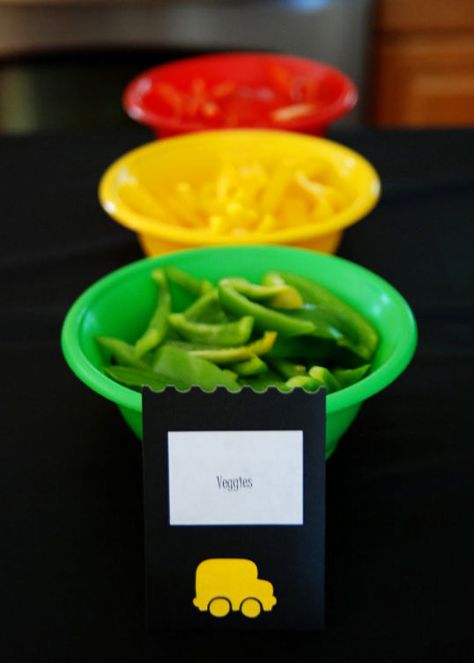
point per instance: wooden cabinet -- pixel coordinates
(423, 63)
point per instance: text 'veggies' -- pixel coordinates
(235, 477)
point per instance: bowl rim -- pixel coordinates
(132, 96)
(351, 396)
(113, 204)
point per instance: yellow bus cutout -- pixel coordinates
(223, 585)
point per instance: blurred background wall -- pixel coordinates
(64, 63)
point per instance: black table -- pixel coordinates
(399, 486)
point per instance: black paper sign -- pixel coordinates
(234, 498)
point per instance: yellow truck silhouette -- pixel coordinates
(229, 584)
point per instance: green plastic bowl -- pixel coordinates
(121, 303)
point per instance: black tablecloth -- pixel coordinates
(399, 493)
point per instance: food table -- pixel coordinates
(399, 487)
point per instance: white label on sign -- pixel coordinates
(236, 477)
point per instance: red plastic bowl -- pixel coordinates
(239, 90)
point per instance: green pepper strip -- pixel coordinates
(253, 290)
(311, 349)
(288, 298)
(349, 376)
(325, 376)
(349, 321)
(178, 365)
(121, 352)
(278, 295)
(235, 355)
(187, 282)
(141, 377)
(265, 318)
(206, 309)
(323, 328)
(326, 323)
(227, 334)
(252, 366)
(287, 368)
(305, 382)
(158, 325)
(230, 374)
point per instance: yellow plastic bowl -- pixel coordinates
(129, 190)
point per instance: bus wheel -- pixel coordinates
(251, 608)
(219, 607)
